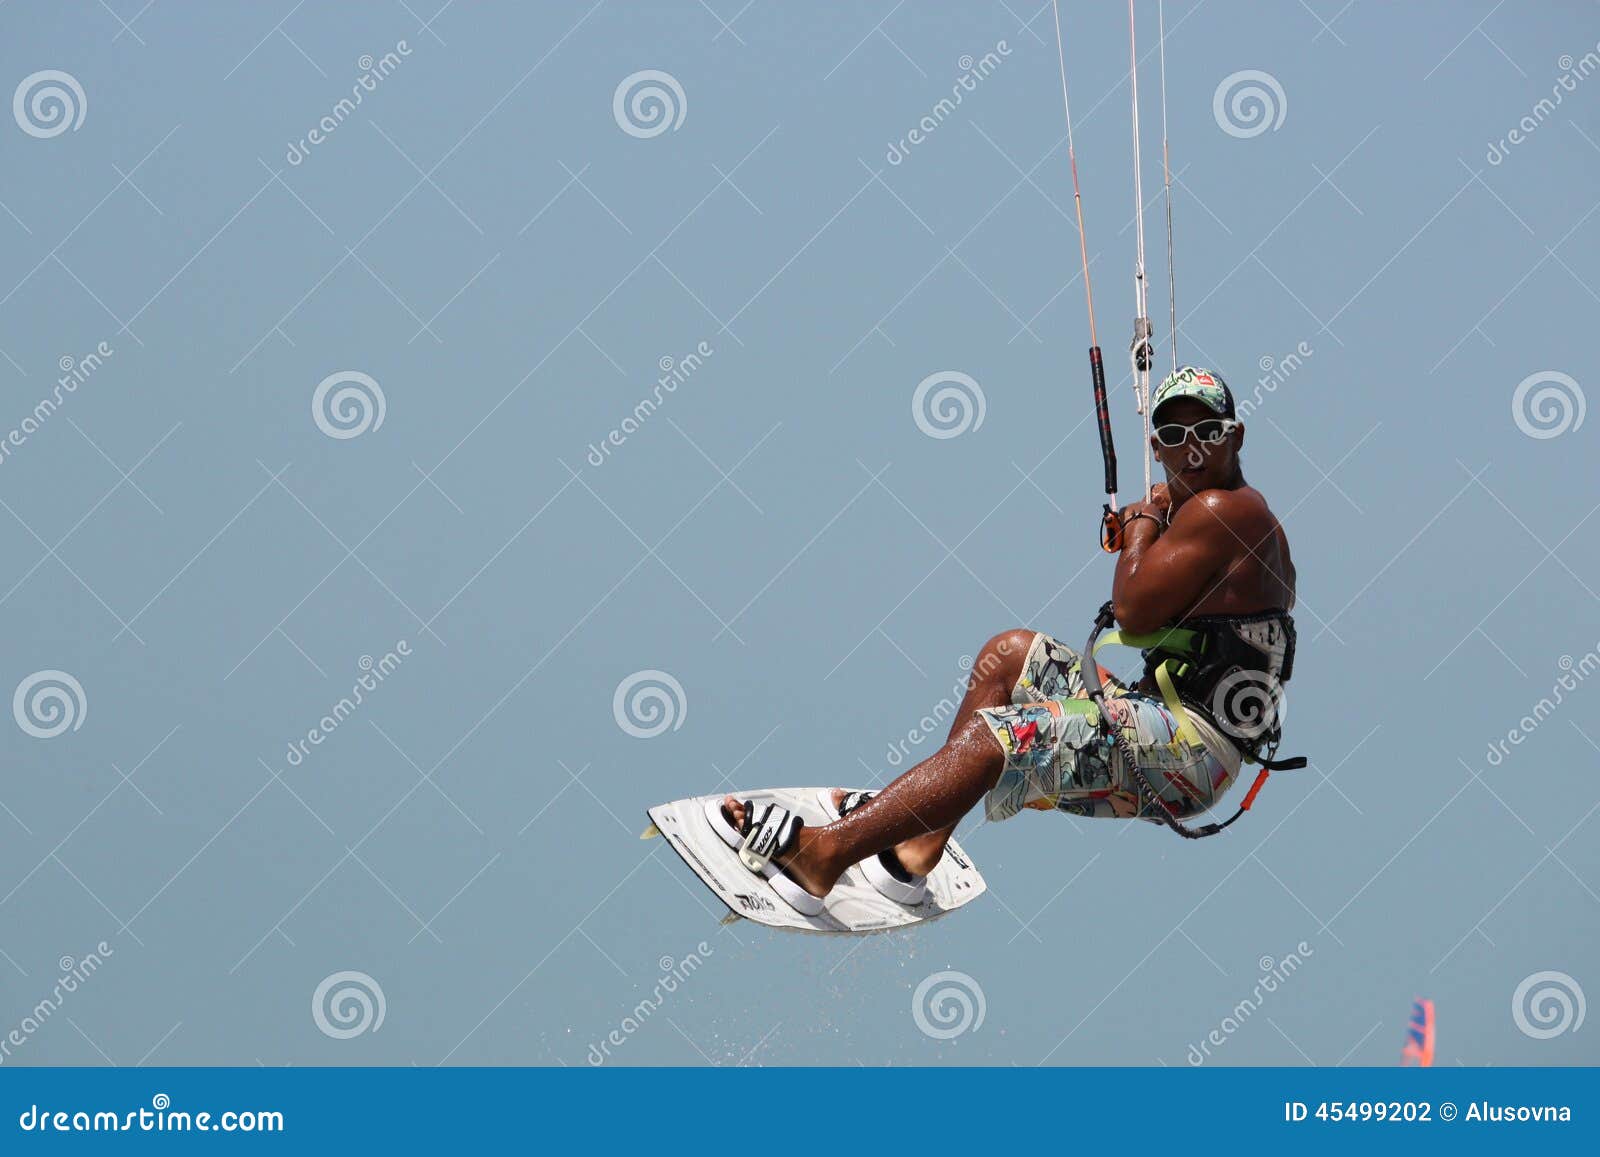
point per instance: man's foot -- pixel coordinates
(917, 856)
(800, 862)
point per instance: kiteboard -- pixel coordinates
(853, 907)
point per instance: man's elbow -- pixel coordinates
(1135, 618)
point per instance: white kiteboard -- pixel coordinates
(854, 905)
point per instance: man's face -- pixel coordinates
(1195, 465)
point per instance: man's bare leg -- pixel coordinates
(917, 813)
(994, 674)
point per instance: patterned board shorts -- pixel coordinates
(1058, 759)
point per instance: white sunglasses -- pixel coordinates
(1208, 431)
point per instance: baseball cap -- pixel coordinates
(1204, 386)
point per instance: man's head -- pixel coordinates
(1194, 433)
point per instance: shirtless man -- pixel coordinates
(1203, 559)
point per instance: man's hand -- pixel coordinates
(1157, 507)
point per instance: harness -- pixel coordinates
(1219, 666)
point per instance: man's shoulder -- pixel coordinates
(1240, 510)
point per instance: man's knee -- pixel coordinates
(1004, 653)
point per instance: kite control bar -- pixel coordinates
(1110, 524)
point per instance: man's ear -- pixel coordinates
(1238, 437)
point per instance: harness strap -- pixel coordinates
(1169, 697)
(1181, 640)
(1294, 764)
(1178, 639)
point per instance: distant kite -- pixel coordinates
(1418, 1052)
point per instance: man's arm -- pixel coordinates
(1288, 568)
(1162, 574)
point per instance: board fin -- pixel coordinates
(650, 833)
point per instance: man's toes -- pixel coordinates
(734, 809)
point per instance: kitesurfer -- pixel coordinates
(1204, 585)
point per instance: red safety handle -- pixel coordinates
(1250, 796)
